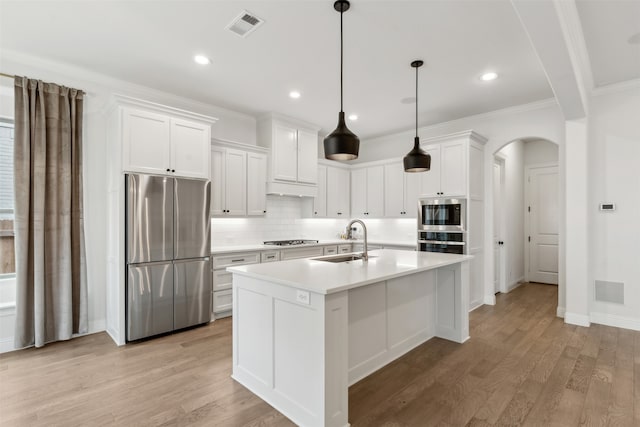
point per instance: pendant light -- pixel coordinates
(341, 144)
(417, 160)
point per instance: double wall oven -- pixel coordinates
(442, 225)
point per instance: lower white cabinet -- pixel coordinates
(223, 280)
(297, 253)
(344, 249)
(270, 256)
(330, 250)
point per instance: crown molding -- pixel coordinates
(516, 109)
(238, 145)
(281, 117)
(135, 102)
(616, 87)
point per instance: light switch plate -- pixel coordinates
(303, 297)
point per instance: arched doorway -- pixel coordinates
(525, 215)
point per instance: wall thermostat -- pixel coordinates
(607, 206)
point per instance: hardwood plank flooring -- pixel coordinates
(522, 366)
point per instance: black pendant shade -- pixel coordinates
(417, 160)
(341, 144)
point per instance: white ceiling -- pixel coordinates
(607, 27)
(153, 43)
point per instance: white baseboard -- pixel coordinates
(576, 319)
(6, 345)
(560, 312)
(98, 325)
(514, 284)
(490, 299)
(473, 305)
(616, 321)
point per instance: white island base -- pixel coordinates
(299, 342)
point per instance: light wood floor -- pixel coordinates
(522, 366)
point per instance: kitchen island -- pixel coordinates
(305, 330)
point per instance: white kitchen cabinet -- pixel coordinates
(448, 174)
(159, 144)
(367, 192)
(238, 180)
(331, 250)
(338, 192)
(320, 201)
(344, 249)
(223, 281)
(293, 160)
(401, 190)
(308, 252)
(256, 184)
(229, 181)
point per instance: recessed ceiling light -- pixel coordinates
(202, 60)
(353, 117)
(294, 94)
(489, 76)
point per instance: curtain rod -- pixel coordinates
(11, 76)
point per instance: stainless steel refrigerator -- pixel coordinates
(168, 283)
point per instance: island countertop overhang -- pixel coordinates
(323, 277)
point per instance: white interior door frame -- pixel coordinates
(527, 203)
(501, 232)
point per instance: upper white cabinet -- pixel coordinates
(320, 201)
(256, 184)
(367, 192)
(401, 191)
(338, 196)
(238, 180)
(157, 143)
(293, 161)
(448, 174)
(228, 181)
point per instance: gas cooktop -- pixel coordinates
(290, 242)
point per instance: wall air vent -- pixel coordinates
(609, 291)
(244, 24)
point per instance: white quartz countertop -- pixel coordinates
(326, 277)
(222, 249)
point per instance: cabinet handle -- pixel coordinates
(271, 256)
(173, 170)
(264, 211)
(168, 170)
(237, 260)
(339, 213)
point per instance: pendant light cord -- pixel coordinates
(416, 102)
(341, 60)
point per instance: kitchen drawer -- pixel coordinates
(270, 256)
(344, 249)
(301, 253)
(330, 250)
(359, 247)
(222, 280)
(222, 261)
(222, 300)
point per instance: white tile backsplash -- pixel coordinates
(284, 220)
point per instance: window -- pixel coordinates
(7, 251)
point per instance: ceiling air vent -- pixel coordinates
(244, 24)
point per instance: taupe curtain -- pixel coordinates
(51, 285)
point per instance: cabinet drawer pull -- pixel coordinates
(271, 256)
(237, 260)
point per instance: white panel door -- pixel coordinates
(256, 184)
(146, 142)
(236, 182)
(453, 175)
(394, 189)
(307, 157)
(430, 180)
(190, 144)
(359, 192)
(285, 153)
(218, 181)
(320, 201)
(337, 192)
(375, 192)
(497, 225)
(543, 225)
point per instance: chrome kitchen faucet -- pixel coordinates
(365, 254)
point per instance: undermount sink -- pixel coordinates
(342, 258)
